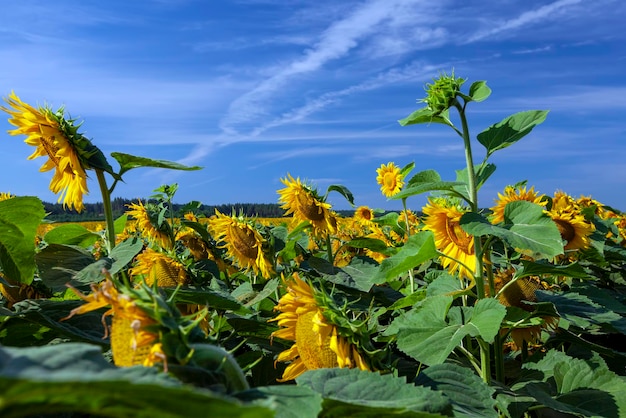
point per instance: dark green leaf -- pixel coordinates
(470, 395)
(58, 264)
(19, 218)
(357, 393)
(74, 377)
(425, 177)
(360, 274)
(341, 190)
(128, 162)
(288, 401)
(531, 268)
(510, 130)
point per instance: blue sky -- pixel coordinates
(254, 89)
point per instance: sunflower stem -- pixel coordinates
(408, 234)
(108, 212)
(329, 250)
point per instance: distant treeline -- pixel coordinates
(95, 211)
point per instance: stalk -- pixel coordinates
(408, 234)
(485, 360)
(108, 212)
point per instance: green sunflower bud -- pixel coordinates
(441, 94)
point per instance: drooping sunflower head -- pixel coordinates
(243, 242)
(512, 194)
(317, 343)
(146, 219)
(440, 95)
(443, 219)
(44, 131)
(390, 179)
(305, 204)
(575, 229)
(157, 267)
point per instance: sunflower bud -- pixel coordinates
(441, 94)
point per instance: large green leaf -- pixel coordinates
(58, 264)
(479, 91)
(74, 377)
(19, 219)
(357, 393)
(342, 190)
(469, 394)
(71, 234)
(425, 115)
(531, 268)
(527, 228)
(430, 333)
(482, 172)
(128, 162)
(510, 130)
(418, 249)
(359, 274)
(575, 386)
(287, 400)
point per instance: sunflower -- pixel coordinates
(316, 342)
(364, 215)
(5, 196)
(390, 179)
(132, 340)
(443, 219)
(44, 131)
(517, 294)
(160, 268)
(303, 202)
(242, 241)
(512, 194)
(574, 228)
(146, 226)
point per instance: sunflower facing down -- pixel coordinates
(316, 342)
(390, 179)
(303, 202)
(147, 227)
(443, 219)
(44, 131)
(160, 268)
(132, 343)
(242, 242)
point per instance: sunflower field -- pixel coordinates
(512, 309)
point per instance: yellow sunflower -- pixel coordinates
(146, 227)
(442, 218)
(512, 194)
(160, 268)
(364, 214)
(390, 179)
(5, 196)
(43, 131)
(316, 342)
(574, 228)
(242, 242)
(302, 201)
(132, 343)
(518, 294)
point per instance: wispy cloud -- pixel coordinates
(526, 18)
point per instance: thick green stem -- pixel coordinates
(329, 249)
(108, 212)
(485, 360)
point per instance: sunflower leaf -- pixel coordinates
(358, 393)
(510, 130)
(528, 229)
(71, 234)
(425, 115)
(74, 377)
(128, 162)
(19, 218)
(418, 249)
(58, 264)
(479, 91)
(342, 190)
(287, 400)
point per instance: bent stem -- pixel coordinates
(108, 212)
